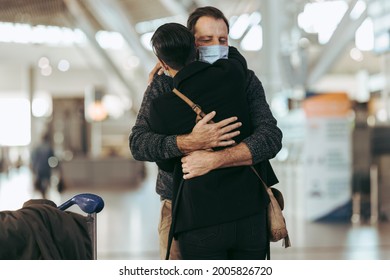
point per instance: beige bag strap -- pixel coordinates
(195, 107)
(198, 110)
(258, 175)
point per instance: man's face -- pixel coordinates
(210, 31)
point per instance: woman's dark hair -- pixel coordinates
(174, 44)
(207, 11)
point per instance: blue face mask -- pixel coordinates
(212, 53)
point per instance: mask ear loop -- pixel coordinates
(164, 67)
(166, 72)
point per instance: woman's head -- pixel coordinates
(174, 45)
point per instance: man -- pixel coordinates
(210, 28)
(226, 201)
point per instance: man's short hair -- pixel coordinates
(174, 44)
(207, 11)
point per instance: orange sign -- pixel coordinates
(327, 105)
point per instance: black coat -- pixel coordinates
(222, 195)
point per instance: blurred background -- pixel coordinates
(76, 70)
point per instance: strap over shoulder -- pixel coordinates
(195, 107)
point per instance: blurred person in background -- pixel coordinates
(40, 167)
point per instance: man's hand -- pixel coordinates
(201, 162)
(156, 69)
(198, 163)
(206, 136)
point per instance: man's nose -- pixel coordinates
(215, 41)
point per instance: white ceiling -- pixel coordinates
(94, 14)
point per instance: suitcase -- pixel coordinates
(91, 204)
(42, 231)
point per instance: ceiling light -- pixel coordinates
(46, 71)
(356, 55)
(322, 18)
(253, 40)
(364, 36)
(110, 40)
(145, 40)
(357, 11)
(42, 105)
(63, 65)
(239, 27)
(43, 62)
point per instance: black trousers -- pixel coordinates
(244, 239)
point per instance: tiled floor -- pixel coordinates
(127, 226)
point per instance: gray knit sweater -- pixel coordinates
(264, 143)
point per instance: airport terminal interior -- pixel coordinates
(77, 70)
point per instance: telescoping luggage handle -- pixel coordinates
(88, 202)
(91, 204)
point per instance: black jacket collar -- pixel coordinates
(190, 70)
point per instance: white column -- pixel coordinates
(386, 88)
(30, 89)
(272, 13)
(96, 139)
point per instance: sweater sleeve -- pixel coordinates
(145, 144)
(158, 125)
(266, 139)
